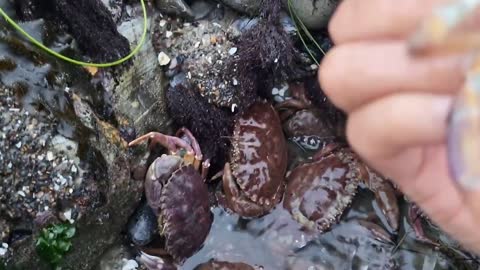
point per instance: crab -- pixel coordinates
(253, 180)
(301, 118)
(319, 190)
(176, 191)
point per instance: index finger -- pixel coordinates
(356, 20)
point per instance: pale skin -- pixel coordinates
(398, 106)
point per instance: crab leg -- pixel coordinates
(291, 104)
(173, 144)
(151, 262)
(415, 219)
(194, 144)
(205, 167)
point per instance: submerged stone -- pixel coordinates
(315, 14)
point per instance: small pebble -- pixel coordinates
(3, 249)
(168, 34)
(50, 156)
(163, 59)
(129, 264)
(232, 51)
(68, 216)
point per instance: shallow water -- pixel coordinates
(275, 241)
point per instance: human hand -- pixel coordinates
(398, 106)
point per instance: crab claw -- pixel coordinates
(194, 144)
(173, 144)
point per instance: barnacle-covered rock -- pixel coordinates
(223, 58)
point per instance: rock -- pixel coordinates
(201, 9)
(64, 146)
(315, 14)
(250, 7)
(76, 166)
(117, 257)
(101, 222)
(175, 7)
(138, 91)
(163, 59)
(115, 8)
(142, 226)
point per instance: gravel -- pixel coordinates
(39, 170)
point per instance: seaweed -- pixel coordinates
(210, 125)
(266, 56)
(88, 21)
(54, 242)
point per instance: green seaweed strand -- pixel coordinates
(304, 29)
(77, 62)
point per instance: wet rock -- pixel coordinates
(201, 9)
(117, 257)
(37, 174)
(7, 64)
(315, 14)
(175, 7)
(115, 7)
(142, 227)
(137, 92)
(200, 51)
(100, 216)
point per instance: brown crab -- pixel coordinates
(253, 181)
(300, 117)
(176, 191)
(318, 192)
